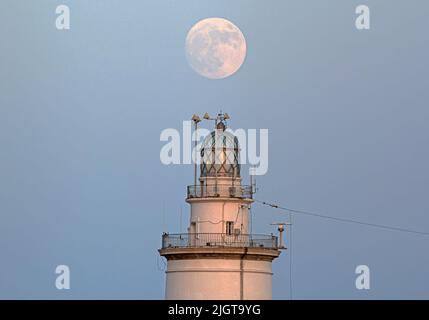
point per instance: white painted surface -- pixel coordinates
(203, 279)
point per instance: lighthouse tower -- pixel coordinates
(219, 258)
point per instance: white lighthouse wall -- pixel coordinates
(219, 279)
(210, 216)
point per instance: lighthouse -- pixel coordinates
(219, 258)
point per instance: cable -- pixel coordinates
(290, 257)
(344, 219)
(209, 221)
(238, 211)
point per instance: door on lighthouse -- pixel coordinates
(229, 233)
(229, 228)
(193, 236)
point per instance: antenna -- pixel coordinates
(196, 120)
(252, 180)
(281, 229)
(180, 217)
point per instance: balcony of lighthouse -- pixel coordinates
(219, 240)
(219, 191)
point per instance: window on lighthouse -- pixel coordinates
(229, 228)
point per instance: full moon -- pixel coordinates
(215, 48)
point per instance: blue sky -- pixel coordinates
(81, 112)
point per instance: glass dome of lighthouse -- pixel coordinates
(220, 154)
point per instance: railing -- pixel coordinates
(197, 240)
(204, 191)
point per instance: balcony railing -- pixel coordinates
(198, 240)
(211, 191)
